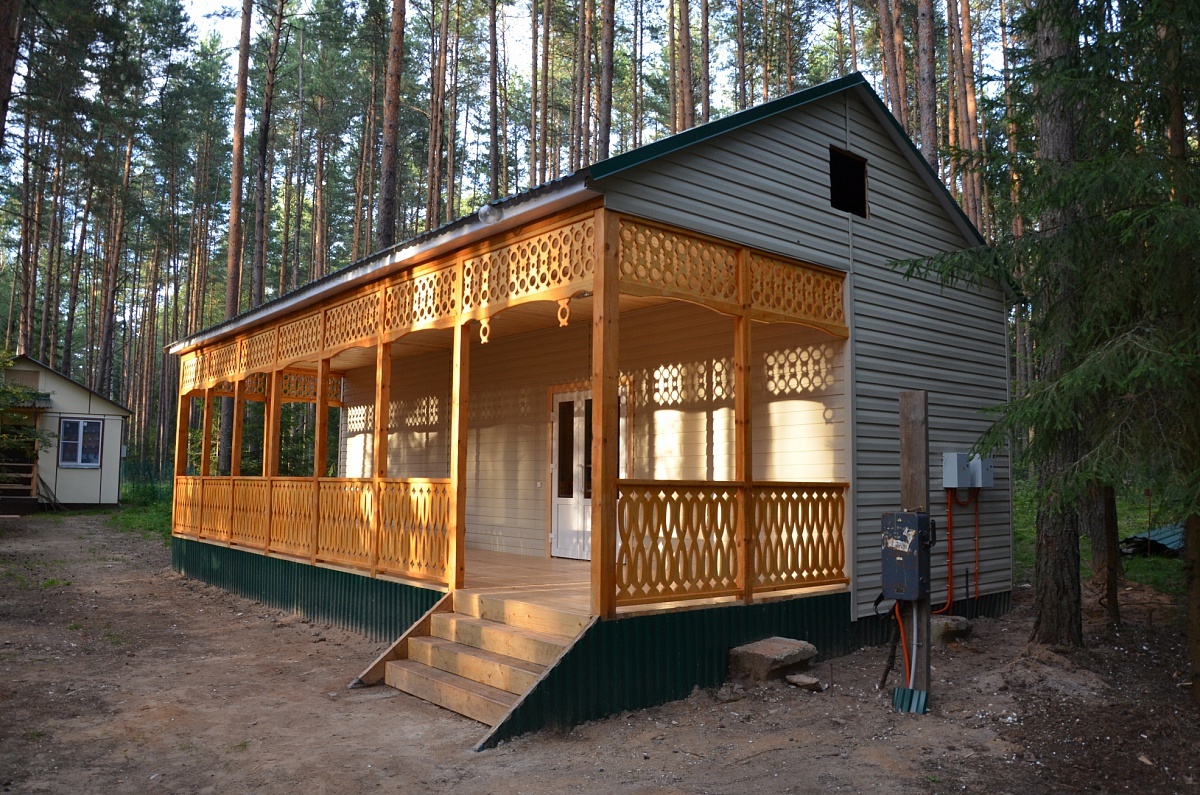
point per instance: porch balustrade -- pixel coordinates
(678, 540)
(673, 540)
(326, 520)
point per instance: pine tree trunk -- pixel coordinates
(1192, 551)
(543, 121)
(233, 267)
(604, 104)
(385, 228)
(705, 56)
(891, 69)
(926, 82)
(262, 187)
(493, 105)
(853, 37)
(1057, 617)
(11, 14)
(742, 97)
(687, 95)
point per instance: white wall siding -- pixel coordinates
(677, 359)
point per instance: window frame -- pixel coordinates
(843, 196)
(81, 423)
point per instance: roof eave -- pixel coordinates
(511, 213)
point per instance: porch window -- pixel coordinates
(79, 443)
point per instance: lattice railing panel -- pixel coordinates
(217, 495)
(292, 515)
(190, 374)
(414, 528)
(675, 540)
(799, 535)
(425, 299)
(299, 387)
(186, 520)
(352, 321)
(344, 534)
(220, 363)
(251, 511)
(255, 386)
(678, 264)
(300, 338)
(796, 291)
(553, 259)
(260, 350)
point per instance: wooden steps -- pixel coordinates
(481, 657)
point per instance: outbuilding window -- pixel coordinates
(79, 443)
(847, 182)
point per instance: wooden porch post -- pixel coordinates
(379, 470)
(743, 431)
(320, 449)
(239, 416)
(605, 377)
(271, 422)
(206, 447)
(182, 422)
(460, 373)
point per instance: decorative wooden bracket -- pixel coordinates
(564, 312)
(485, 330)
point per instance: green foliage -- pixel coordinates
(1110, 272)
(151, 521)
(1161, 572)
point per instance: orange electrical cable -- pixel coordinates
(903, 647)
(976, 496)
(950, 500)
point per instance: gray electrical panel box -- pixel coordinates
(963, 471)
(956, 471)
(907, 539)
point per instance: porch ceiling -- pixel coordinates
(520, 319)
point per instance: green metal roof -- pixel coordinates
(673, 143)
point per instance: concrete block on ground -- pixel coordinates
(944, 629)
(772, 658)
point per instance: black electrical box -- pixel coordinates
(907, 539)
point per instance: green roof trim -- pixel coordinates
(854, 81)
(695, 135)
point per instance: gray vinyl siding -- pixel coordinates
(767, 186)
(676, 360)
(918, 334)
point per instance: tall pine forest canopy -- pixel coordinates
(120, 132)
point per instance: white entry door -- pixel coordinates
(571, 472)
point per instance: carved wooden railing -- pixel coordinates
(677, 540)
(414, 528)
(326, 520)
(799, 535)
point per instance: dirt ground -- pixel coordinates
(117, 675)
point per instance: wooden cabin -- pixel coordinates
(572, 448)
(80, 465)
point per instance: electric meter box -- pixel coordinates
(983, 472)
(907, 538)
(963, 471)
(956, 471)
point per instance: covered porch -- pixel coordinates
(665, 387)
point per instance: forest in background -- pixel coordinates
(117, 157)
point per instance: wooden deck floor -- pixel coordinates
(554, 582)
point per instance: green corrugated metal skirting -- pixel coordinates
(380, 609)
(642, 661)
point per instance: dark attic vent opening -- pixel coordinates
(847, 182)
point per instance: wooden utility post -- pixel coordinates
(914, 496)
